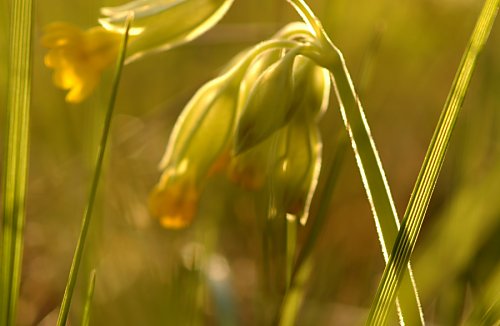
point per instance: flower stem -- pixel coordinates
(77, 257)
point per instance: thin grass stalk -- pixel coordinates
(433, 162)
(324, 204)
(77, 257)
(301, 269)
(295, 296)
(88, 299)
(16, 156)
(291, 245)
(367, 159)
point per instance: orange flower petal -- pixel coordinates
(174, 202)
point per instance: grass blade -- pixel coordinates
(88, 299)
(368, 160)
(431, 167)
(16, 156)
(77, 257)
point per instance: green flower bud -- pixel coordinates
(204, 128)
(257, 67)
(264, 60)
(268, 107)
(312, 86)
(286, 165)
(251, 169)
(163, 24)
(297, 171)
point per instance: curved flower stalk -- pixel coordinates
(368, 160)
(79, 57)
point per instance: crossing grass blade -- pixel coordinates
(368, 160)
(77, 257)
(16, 156)
(427, 178)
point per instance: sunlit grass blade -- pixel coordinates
(16, 157)
(88, 299)
(429, 172)
(487, 308)
(368, 160)
(477, 200)
(77, 257)
(375, 183)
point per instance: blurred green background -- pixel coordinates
(403, 54)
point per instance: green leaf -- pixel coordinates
(16, 156)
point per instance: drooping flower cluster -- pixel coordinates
(79, 57)
(257, 123)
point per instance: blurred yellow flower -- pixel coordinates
(174, 200)
(78, 57)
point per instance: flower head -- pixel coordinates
(258, 122)
(78, 57)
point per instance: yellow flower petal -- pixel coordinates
(60, 34)
(174, 201)
(99, 40)
(78, 57)
(82, 88)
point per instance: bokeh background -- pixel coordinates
(402, 55)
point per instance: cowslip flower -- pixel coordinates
(197, 148)
(258, 123)
(79, 57)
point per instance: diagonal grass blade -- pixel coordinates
(427, 178)
(73, 273)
